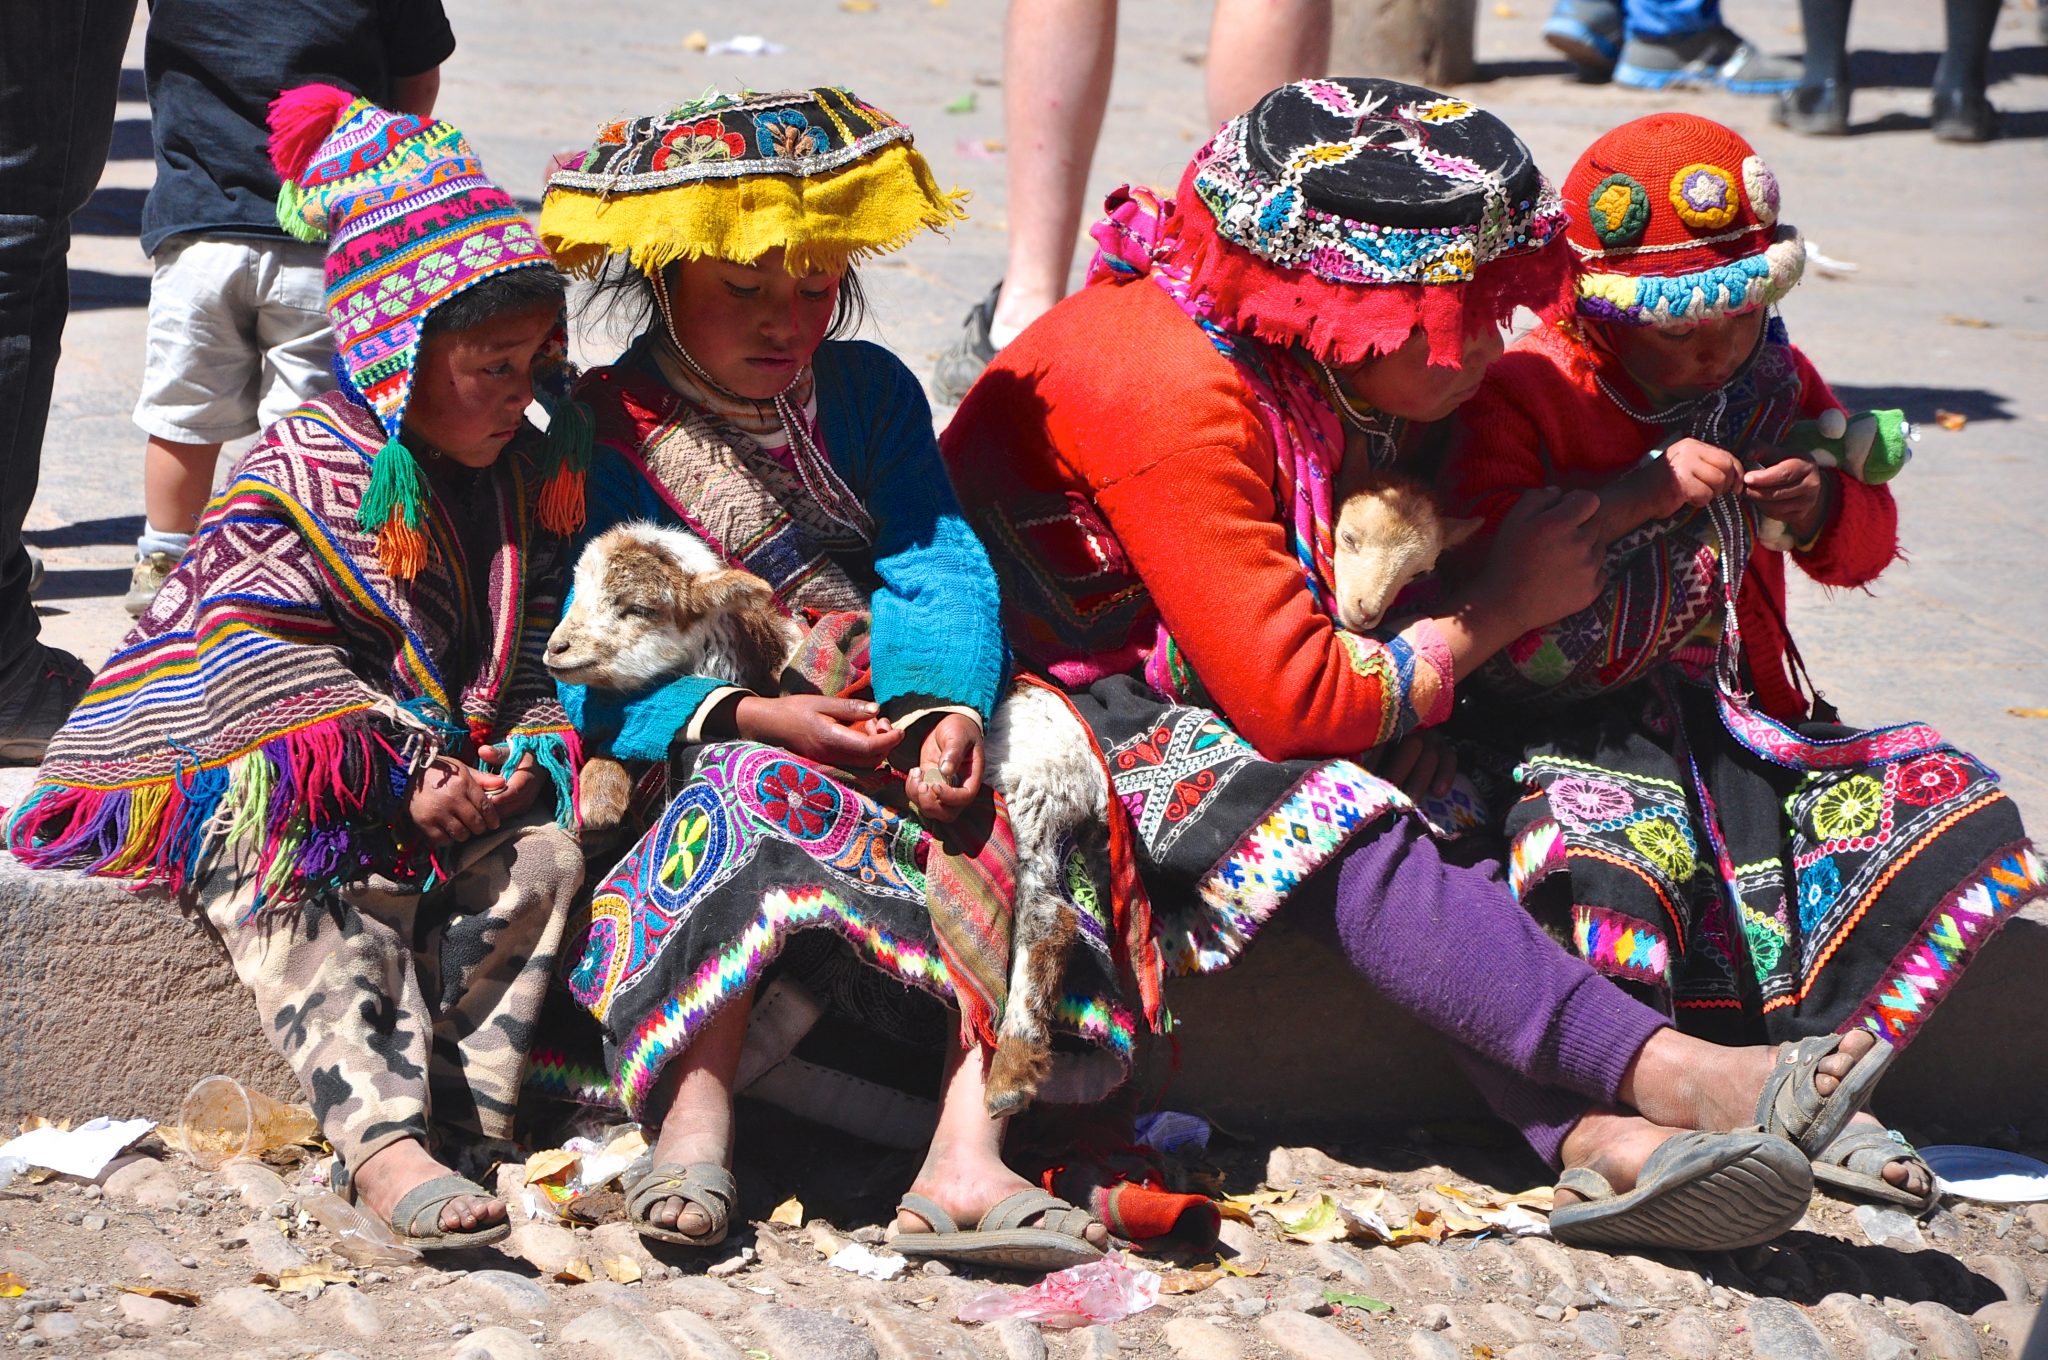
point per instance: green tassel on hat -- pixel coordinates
(393, 508)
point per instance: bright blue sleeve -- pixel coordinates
(639, 726)
(937, 619)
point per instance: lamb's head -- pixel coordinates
(654, 603)
(1389, 532)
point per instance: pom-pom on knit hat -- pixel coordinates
(817, 172)
(411, 221)
(1674, 219)
(1341, 213)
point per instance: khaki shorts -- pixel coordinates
(238, 335)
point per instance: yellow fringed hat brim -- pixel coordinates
(823, 222)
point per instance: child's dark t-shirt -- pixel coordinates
(212, 68)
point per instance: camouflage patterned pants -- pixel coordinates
(395, 1008)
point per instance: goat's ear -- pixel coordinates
(1456, 531)
(732, 591)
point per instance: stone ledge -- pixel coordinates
(114, 1002)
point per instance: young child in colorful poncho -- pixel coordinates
(814, 832)
(1716, 840)
(333, 728)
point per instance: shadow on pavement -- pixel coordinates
(1915, 70)
(131, 141)
(87, 533)
(94, 290)
(2014, 125)
(1920, 403)
(82, 583)
(111, 212)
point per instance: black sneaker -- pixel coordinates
(1815, 110)
(36, 696)
(964, 359)
(1963, 116)
(1712, 57)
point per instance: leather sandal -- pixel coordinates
(707, 1185)
(1000, 1238)
(1854, 1164)
(1791, 1107)
(1696, 1192)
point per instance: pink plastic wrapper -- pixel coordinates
(1079, 1296)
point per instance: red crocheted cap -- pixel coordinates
(1674, 218)
(1345, 323)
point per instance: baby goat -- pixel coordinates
(654, 603)
(1389, 532)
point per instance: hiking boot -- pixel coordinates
(1815, 110)
(37, 694)
(1963, 116)
(964, 359)
(1589, 33)
(151, 571)
(1714, 56)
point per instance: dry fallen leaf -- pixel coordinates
(1189, 1281)
(1951, 420)
(2028, 712)
(1975, 323)
(789, 1213)
(299, 1279)
(12, 1286)
(36, 1121)
(697, 41)
(858, 6)
(182, 1297)
(577, 1271)
(622, 1269)
(1319, 1221)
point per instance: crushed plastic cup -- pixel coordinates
(1171, 1131)
(222, 1119)
(1099, 1292)
(359, 1236)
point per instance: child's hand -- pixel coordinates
(1699, 473)
(948, 773)
(851, 733)
(1790, 488)
(450, 802)
(1548, 561)
(1421, 764)
(522, 785)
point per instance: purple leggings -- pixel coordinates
(1541, 1035)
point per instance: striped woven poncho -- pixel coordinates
(278, 696)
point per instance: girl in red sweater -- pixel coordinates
(1151, 465)
(1714, 837)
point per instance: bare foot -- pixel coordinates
(967, 1183)
(683, 1145)
(1906, 1174)
(390, 1173)
(1686, 1083)
(1613, 1143)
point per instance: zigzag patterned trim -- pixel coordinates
(1615, 945)
(554, 1074)
(1925, 971)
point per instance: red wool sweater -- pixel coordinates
(1540, 420)
(1116, 468)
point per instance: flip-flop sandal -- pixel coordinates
(1696, 1192)
(1854, 1164)
(423, 1205)
(707, 1185)
(1794, 1110)
(1000, 1238)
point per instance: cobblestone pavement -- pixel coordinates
(1967, 1288)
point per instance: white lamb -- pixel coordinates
(654, 603)
(1389, 532)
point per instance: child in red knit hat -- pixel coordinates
(1691, 811)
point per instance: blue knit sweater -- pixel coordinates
(937, 631)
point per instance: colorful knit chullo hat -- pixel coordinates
(1674, 219)
(827, 178)
(411, 221)
(1340, 214)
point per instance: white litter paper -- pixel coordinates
(745, 45)
(859, 1259)
(82, 1152)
